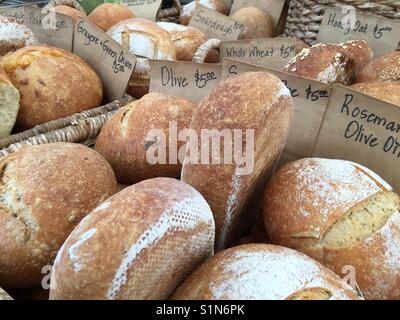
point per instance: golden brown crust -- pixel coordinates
(69, 11)
(188, 9)
(46, 190)
(359, 51)
(124, 139)
(257, 22)
(38, 72)
(300, 45)
(107, 15)
(383, 68)
(387, 91)
(9, 104)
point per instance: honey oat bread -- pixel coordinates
(127, 142)
(358, 50)
(257, 23)
(147, 40)
(341, 214)
(139, 244)
(383, 68)
(69, 11)
(188, 9)
(45, 191)
(325, 63)
(108, 14)
(39, 73)
(9, 105)
(4, 295)
(387, 91)
(263, 272)
(254, 103)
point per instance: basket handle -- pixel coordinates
(70, 3)
(170, 12)
(202, 51)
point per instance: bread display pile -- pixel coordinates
(138, 213)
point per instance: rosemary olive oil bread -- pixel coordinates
(45, 191)
(341, 214)
(383, 68)
(139, 244)
(9, 104)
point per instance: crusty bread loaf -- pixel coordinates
(255, 103)
(148, 41)
(126, 140)
(325, 63)
(45, 191)
(9, 104)
(257, 23)
(383, 68)
(300, 45)
(108, 14)
(387, 91)
(69, 11)
(263, 272)
(188, 9)
(4, 295)
(139, 244)
(14, 35)
(47, 93)
(359, 51)
(342, 215)
(187, 40)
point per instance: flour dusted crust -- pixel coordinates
(261, 272)
(188, 9)
(4, 295)
(257, 101)
(107, 15)
(387, 91)
(45, 191)
(359, 51)
(383, 68)
(139, 244)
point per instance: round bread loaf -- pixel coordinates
(9, 105)
(263, 272)
(188, 9)
(69, 11)
(45, 191)
(257, 23)
(147, 40)
(187, 40)
(359, 51)
(383, 68)
(139, 244)
(14, 35)
(253, 113)
(300, 45)
(39, 73)
(108, 14)
(341, 214)
(325, 63)
(131, 139)
(387, 91)
(4, 295)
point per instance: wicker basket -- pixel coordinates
(305, 16)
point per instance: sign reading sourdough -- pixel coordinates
(144, 8)
(362, 129)
(188, 80)
(269, 52)
(113, 63)
(49, 27)
(215, 25)
(13, 12)
(382, 34)
(310, 101)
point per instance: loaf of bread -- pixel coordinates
(4, 295)
(383, 68)
(108, 14)
(139, 244)
(187, 40)
(251, 114)
(14, 35)
(9, 105)
(263, 272)
(45, 191)
(359, 51)
(188, 9)
(257, 23)
(146, 40)
(325, 63)
(300, 45)
(134, 150)
(387, 91)
(69, 11)
(47, 93)
(341, 214)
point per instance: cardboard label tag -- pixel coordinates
(362, 129)
(215, 25)
(51, 28)
(272, 7)
(113, 63)
(144, 8)
(188, 80)
(269, 52)
(382, 34)
(13, 12)
(310, 100)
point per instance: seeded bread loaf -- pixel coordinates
(257, 23)
(383, 68)
(387, 91)
(139, 244)
(263, 272)
(107, 15)
(4, 295)
(341, 214)
(9, 105)
(188, 9)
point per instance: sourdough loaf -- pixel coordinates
(387, 91)
(188, 9)
(257, 23)
(9, 105)
(108, 14)
(45, 191)
(341, 214)
(263, 272)
(139, 244)
(383, 68)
